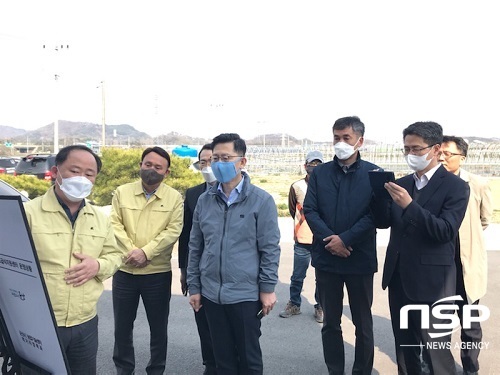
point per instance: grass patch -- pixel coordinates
(279, 185)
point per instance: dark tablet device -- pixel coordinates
(377, 181)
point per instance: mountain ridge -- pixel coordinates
(71, 132)
(81, 132)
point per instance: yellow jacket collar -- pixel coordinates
(51, 204)
(160, 190)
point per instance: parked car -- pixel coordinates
(6, 189)
(7, 165)
(38, 165)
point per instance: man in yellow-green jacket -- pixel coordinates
(77, 251)
(147, 217)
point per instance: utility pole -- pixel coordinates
(103, 93)
(58, 47)
(56, 121)
(264, 128)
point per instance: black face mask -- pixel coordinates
(151, 177)
(309, 169)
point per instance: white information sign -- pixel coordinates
(24, 302)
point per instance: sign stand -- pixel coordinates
(30, 343)
(9, 364)
(12, 364)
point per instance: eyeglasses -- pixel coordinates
(448, 154)
(414, 150)
(223, 158)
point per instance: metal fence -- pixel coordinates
(482, 158)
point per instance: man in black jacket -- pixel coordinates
(424, 212)
(192, 195)
(344, 245)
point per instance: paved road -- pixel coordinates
(293, 345)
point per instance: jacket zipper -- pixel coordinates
(221, 247)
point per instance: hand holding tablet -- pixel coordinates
(377, 180)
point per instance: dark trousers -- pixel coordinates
(331, 296)
(469, 355)
(235, 332)
(155, 291)
(474, 334)
(80, 345)
(207, 350)
(409, 342)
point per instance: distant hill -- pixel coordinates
(8, 132)
(481, 139)
(80, 132)
(174, 138)
(76, 132)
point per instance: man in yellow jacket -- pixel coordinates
(147, 217)
(77, 251)
(471, 257)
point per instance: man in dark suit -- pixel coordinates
(192, 195)
(424, 214)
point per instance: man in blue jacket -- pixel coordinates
(233, 259)
(344, 245)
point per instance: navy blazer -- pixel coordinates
(192, 195)
(423, 236)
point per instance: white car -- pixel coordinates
(6, 189)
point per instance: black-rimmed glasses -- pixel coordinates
(414, 150)
(223, 158)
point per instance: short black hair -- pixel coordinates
(64, 152)
(207, 146)
(462, 146)
(239, 144)
(431, 132)
(350, 122)
(158, 150)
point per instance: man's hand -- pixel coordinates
(336, 247)
(268, 301)
(137, 258)
(82, 272)
(184, 286)
(398, 194)
(195, 302)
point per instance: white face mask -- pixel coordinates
(418, 163)
(343, 150)
(208, 174)
(75, 188)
